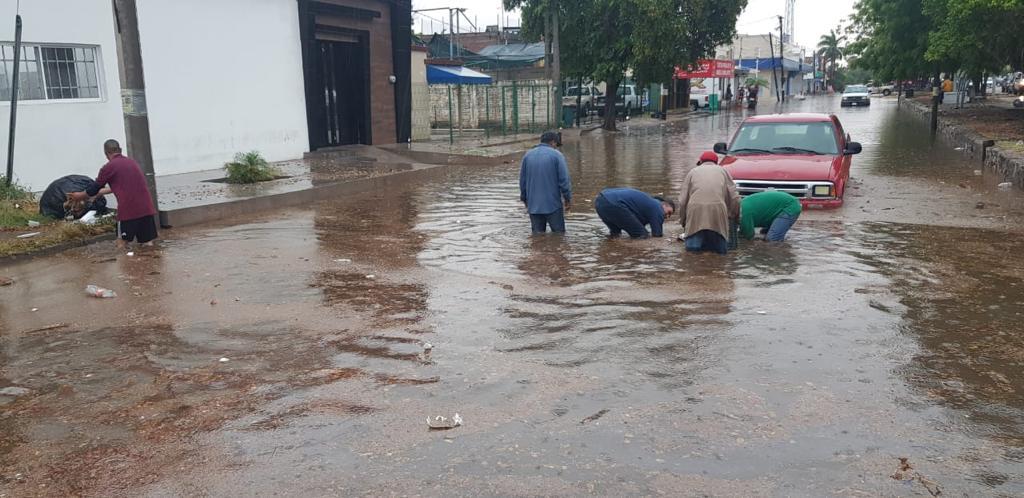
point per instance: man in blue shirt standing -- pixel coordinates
(632, 210)
(544, 183)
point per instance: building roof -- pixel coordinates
(514, 52)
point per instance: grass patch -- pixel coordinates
(250, 167)
(13, 192)
(55, 234)
(15, 215)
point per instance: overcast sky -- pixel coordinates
(813, 17)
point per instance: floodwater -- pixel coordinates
(887, 329)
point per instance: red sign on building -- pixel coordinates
(708, 68)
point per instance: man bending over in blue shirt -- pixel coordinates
(544, 183)
(631, 210)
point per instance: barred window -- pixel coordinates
(50, 72)
(30, 75)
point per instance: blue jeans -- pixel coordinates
(783, 222)
(707, 240)
(556, 220)
(618, 218)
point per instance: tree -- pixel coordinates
(603, 39)
(902, 39)
(830, 50)
(890, 38)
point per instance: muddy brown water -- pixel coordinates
(889, 328)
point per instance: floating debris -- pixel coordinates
(441, 423)
(595, 416)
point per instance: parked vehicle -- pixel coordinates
(700, 101)
(627, 101)
(856, 95)
(805, 155)
(881, 89)
(584, 98)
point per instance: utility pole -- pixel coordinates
(775, 76)
(451, 34)
(556, 56)
(14, 100)
(936, 88)
(782, 59)
(133, 91)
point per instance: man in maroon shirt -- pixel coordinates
(135, 211)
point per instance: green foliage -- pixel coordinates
(902, 39)
(851, 76)
(249, 167)
(13, 192)
(602, 39)
(830, 50)
(752, 81)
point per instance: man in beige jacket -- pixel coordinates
(708, 200)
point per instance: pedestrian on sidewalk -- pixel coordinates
(544, 185)
(135, 210)
(630, 210)
(707, 202)
(773, 211)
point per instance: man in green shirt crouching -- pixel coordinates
(773, 210)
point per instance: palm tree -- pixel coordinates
(830, 50)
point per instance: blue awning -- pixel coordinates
(455, 75)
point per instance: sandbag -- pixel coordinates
(52, 202)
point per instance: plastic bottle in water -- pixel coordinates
(100, 292)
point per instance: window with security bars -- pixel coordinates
(50, 72)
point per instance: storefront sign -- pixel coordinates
(708, 68)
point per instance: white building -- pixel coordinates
(222, 77)
(71, 95)
(755, 53)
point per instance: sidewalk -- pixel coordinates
(989, 130)
(200, 197)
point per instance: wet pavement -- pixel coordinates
(887, 329)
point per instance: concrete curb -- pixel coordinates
(59, 248)
(974, 145)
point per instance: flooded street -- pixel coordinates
(283, 356)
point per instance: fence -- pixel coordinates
(498, 109)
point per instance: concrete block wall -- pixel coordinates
(529, 103)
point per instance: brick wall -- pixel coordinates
(382, 92)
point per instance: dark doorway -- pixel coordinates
(344, 92)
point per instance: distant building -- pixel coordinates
(754, 54)
(501, 55)
(279, 76)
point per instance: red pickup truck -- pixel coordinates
(805, 155)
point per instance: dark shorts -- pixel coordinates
(141, 230)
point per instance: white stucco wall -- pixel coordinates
(61, 137)
(222, 77)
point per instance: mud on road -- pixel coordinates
(263, 359)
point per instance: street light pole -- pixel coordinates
(14, 100)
